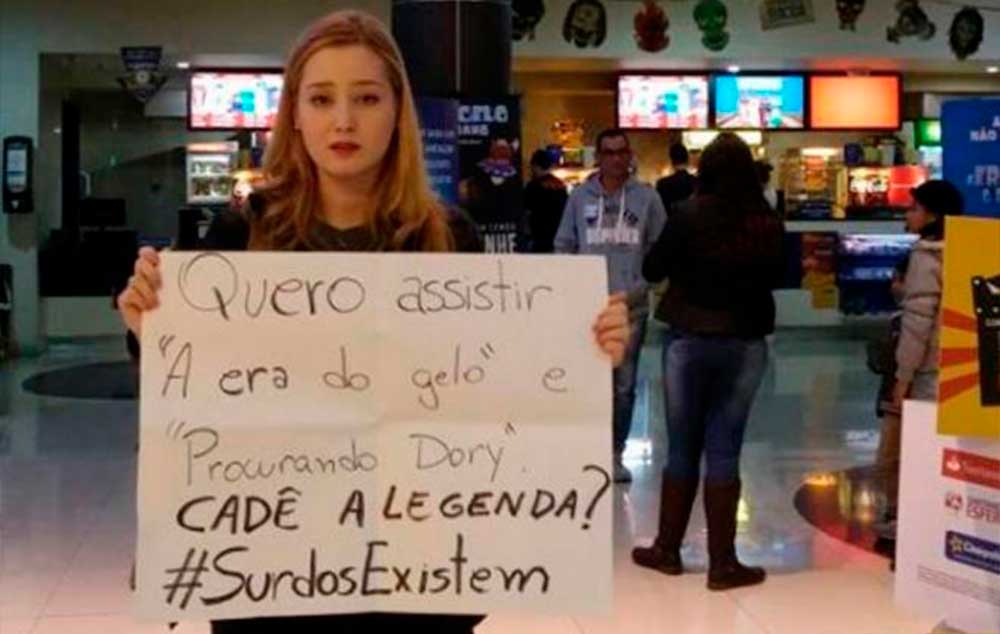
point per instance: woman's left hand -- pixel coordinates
(612, 330)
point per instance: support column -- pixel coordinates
(455, 47)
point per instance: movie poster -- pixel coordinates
(438, 127)
(490, 190)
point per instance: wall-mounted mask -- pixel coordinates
(586, 23)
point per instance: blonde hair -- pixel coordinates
(408, 214)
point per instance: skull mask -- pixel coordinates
(586, 23)
(712, 16)
(966, 32)
(912, 21)
(849, 12)
(526, 14)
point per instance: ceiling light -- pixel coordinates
(183, 65)
(733, 69)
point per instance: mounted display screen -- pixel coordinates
(663, 102)
(854, 103)
(234, 100)
(760, 102)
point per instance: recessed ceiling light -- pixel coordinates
(183, 65)
(733, 69)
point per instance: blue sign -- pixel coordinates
(439, 127)
(971, 140)
(142, 78)
(972, 551)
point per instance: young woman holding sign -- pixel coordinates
(345, 172)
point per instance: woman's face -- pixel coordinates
(917, 217)
(346, 111)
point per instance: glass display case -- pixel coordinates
(209, 172)
(815, 183)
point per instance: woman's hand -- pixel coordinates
(142, 292)
(612, 329)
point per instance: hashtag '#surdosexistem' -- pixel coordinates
(371, 577)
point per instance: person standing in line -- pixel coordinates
(920, 328)
(764, 170)
(722, 252)
(345, 172)
(680, 185)
(614, 215)
(544, 201)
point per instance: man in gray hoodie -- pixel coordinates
(614, 215)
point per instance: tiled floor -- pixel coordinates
(67, 481)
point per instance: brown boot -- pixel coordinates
(725, 571)
(676, 500)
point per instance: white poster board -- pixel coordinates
(327, 433)
(948, 553)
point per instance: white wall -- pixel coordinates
(19, 115)
(185, 26)
(822, 42)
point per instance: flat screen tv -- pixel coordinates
(663, 102)
(760, 102)
(234, 99)
(869, 102)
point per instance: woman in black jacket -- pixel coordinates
(722, 252)
(344, 171)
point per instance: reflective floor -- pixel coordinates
(67, 486)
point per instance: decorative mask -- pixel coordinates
(711, 17)
(849, 12)
(586, 23)
(911, 22)
(966, 33)
(526, 14)
(651, 24)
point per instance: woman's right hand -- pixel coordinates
(142, 292)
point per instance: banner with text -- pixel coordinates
(327, 433)
(491, 189)
(970, 131)
(948, 564)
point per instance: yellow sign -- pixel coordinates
(969, 398)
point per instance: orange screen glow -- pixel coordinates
(854, 102)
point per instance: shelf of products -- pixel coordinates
(815, 184)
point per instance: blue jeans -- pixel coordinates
(710, 385)
(625, 377)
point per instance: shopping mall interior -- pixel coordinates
(845, 100)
